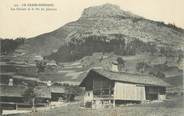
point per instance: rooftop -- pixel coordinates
(57, 89)
(131, 78)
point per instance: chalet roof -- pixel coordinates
(131, 78)
(12, 91)
(37, 57)
(115, 62)
(57, 89)
(7, 73)
(20, 50)
(28, 78)
(52, 63)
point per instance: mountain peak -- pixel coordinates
(105, 10)
(104, 22)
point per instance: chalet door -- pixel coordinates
(152, 93)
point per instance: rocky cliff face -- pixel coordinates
(103, 23)
(106, 11)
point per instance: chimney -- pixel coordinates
(114, 66)
(10, 83)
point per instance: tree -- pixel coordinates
(72, 91)
(151, 47)
(9, 45)
(160, 74)
(121, 63)
(1, 110)
(30, 96)
(140, 67)
(41, 65)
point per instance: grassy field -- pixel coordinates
(172, 107)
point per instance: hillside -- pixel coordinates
(104, 26)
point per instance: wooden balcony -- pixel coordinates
(103, 94)
(103, 97)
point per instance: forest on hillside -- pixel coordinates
(8, 46)
(78, 48)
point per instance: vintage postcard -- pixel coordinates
(91, 58)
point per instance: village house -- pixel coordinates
(11, 96)
(37, 57)
(12, 91)
(51, 63)
(56, 82)
(19, 52)
(51, 66)
(43, 94)
(104, 88)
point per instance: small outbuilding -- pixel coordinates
(57, 93)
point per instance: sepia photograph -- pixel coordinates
(91, 58)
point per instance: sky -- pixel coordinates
(19, 23)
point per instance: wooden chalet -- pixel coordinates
(104, 87)
(12, 92)
(43, 94)
(10, 96)
(57, 93)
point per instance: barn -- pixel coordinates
(104, 88)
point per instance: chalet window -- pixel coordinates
(162, 90)
(96, 92)
(105, 92)
(152, 90)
